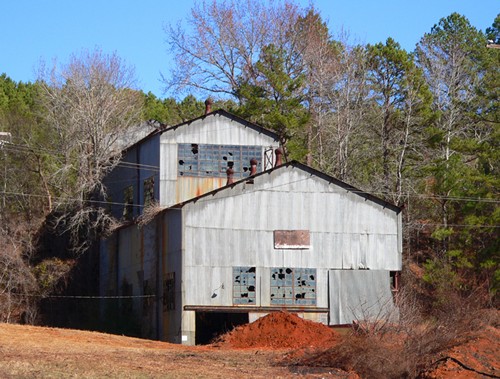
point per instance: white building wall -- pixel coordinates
(214, 129)
(235, 228)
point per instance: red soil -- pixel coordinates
(280, 330)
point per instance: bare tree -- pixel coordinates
(18, 286)
(338, 109)
(88, 103)
(318, 56)
(225, 42)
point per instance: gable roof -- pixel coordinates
(165, 128)
(230, 116)
(303, 167)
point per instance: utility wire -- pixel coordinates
(89, 297)
(25, 148)
(132, 165)
(126, 164)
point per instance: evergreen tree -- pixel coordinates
(400, 102)
(462, 156)
(276, 100)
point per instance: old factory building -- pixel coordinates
(237, 234)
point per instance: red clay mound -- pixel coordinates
(280, 330)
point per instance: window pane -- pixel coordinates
(213, 160)
(244, 285)
(293, 286)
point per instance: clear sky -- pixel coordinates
(31, 30)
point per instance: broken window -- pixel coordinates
(169, 292)
(243, 285)
(128, 199)
(149, 191)
(293, 286)
(213, 160)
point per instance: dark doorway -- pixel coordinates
(210, 325)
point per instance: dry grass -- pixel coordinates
(28, 351)
(416, 345)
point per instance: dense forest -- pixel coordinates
(420, 129)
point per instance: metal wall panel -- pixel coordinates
(173, 324)
(138, 163)
(367, 238)
(214, 129)
(360, 295)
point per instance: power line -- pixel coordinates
(142, 166)
(68, 200)
(125, 164)
(90, 297)
(453, 225)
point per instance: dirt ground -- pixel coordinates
(257, 350)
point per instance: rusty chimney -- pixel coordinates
(279, 155)
(208, 106)
(229, 173)
(253, 166)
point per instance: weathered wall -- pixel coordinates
(129, 272)
(235, 228)
(171, 262)
(214, 129)
(358, 295)
(140, 162)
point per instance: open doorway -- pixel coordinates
(210, 325)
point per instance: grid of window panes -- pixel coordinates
(243, 285)
(293, 286)
(203, 160)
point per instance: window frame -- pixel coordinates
(285, 291)
(244, 282)
(212, 160)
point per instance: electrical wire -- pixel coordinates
(146, 167)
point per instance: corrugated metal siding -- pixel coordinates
(149, 257)
(149, 159)
(235, 228)
(171, 261)
(347, 232)
(217, 129)
(214, 129)
(129, 261)
(139, 163)
(203, 282)
(107, 266)
(358, 295)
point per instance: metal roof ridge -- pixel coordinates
(303, 167)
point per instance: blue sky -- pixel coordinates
(34, 30)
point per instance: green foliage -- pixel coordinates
(493, 32)
(51, 273)
(170, 112)
(276, 101)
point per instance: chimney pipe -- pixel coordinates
(279, 155)
(229, 173)
(208, 106)
(253, 166)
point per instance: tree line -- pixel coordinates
(419, 129)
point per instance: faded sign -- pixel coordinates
(292, 239)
